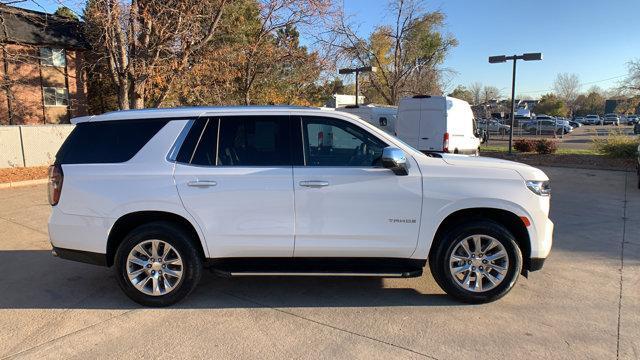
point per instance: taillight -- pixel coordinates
(55, 183)
(445, 142)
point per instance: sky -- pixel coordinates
(593, 39)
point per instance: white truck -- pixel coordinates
(382, 117)
(437, 124)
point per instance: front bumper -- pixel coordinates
(536, 264)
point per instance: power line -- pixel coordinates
(581, 85)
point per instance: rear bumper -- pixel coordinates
(86, 257)
(80, 233)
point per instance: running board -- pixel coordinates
(322, 267)
(416, 273)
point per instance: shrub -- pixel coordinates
(524, 145)
(546, 146)
(617, 145)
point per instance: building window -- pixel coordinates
(52, 57)
(55, 96)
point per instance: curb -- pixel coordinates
(23, 183)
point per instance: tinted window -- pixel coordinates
(207, 142)
(330, 142)
(254, 141)
(107, 141)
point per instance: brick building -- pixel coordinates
(41, 73)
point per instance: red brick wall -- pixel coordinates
(27, 77)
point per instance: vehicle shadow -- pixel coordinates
(34, 279)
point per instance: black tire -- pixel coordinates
(181, 241)
(439, 260)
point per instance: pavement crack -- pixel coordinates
(24, 226)
(331, 326)
(624, 231)
(22, 352)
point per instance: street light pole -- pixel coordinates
(357, 71)
(513, 106)
(501, 59)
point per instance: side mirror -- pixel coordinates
(394, 159)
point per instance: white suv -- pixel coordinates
(161, 194)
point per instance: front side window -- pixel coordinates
(55, 96)
(52, 57)
(332, 142)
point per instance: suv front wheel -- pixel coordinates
(157, 264)
(477, 262)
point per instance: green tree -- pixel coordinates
(462, 93)
(550, 104)
(592, 103)
(65, 12)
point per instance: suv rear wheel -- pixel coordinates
(477, 262)
(157, 264)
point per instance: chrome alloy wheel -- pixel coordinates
(154, 267)
(478, 263)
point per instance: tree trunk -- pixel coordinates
(137, 95)
(123, 94)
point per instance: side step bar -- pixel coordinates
(408, 274)
(353, 267)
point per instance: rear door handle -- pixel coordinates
(202, 183)
(314, 183)
(425, 138)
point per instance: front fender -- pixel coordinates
(433, 217)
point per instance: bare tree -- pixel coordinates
(490, 93)
(567, 87)
(476, 92)
(632, 82)
(144, 39)
(407, 53)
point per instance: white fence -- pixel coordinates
(31, 145)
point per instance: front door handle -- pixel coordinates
(314, 183)
(202, 183)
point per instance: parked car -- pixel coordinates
(547, 126)
(248, 191)
(636, 128)
(593, 120)
(574, 124)
(579, 119)
(633, 119)
(612, 119)
(494, 126)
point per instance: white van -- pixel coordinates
(437, 124)
(382, 117)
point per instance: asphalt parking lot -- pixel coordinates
(584, 304)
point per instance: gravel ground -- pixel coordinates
(21, 174)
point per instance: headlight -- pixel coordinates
(542, 188)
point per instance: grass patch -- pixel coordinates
(561, 151)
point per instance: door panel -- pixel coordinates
(238, 185)
(357, 209)
(248, 212)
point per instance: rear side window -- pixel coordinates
(254, 141)
(107, 141)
